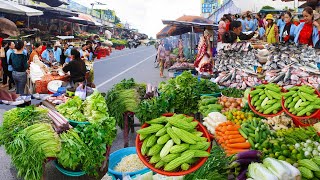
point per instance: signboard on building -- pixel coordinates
(208, 6)
(76, 7)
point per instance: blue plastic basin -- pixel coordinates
(67, 172)
(117, 156)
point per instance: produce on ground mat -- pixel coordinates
(130, 163)
(301, 100)
(266, 98)
(173, 143)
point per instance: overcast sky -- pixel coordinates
(146, 15)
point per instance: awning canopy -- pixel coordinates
(80, 21)
(89, 18)
(188, 24)
(15, 8)
(55, 10)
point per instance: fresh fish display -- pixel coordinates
(236, 55)
(283, 56)
(290, 76)
(237, 79)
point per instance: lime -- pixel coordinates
(284, 147)
(294, 151)
(286, 153)
(271, 155)
(282, 158)
(291, 147)
(289, 160)
(300, 156)
(277, 154)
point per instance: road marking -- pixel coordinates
(119, 56)
(107, 81)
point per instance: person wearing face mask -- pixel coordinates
(287, 30)
(67, 53)
(308, 31)
(76, 67)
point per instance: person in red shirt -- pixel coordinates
(308, 31)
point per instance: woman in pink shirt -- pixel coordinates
(221, 28)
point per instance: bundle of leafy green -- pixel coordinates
(72, 109)
(18, 119)
(95, 107)
(216, 166)
(205, 86)
(124, 97)
(97, 136)
(31, 147)
(182, 93)
(151, 108)
(73, 150)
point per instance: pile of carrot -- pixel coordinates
(229, 137)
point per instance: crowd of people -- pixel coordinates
(16, 57)
(286, 28)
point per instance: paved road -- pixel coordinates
(128, 63)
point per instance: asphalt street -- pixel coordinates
(128, 63)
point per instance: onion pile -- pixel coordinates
(230, 103)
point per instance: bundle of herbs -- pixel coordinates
(151, 108)
(182, 93)
(206, 86)
(216, 167)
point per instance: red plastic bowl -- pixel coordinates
(316, 114)
(260, 114)
(193, 168)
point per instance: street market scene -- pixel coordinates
(160, 90)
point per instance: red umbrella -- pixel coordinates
(173, 30)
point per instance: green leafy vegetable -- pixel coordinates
(97, 136)
(124, 97)
(233, 92)
(151, 108)
(73, 150)
(182, 93)
(215, 166)
(72, 109)
(30, 149)
(95, 107)
(205, 86)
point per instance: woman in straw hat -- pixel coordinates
(271, 34)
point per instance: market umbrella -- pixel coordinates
(310, 3)
(15, 8)
(54, 3)
(8, 28)
(173, 30)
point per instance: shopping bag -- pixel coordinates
(81, 91)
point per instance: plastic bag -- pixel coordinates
(81, 91)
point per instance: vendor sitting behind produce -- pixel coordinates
(48, 55)
(76, 67)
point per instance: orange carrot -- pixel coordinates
(237, 140)
(234, 151)
(245, 145)
(232, 132)
(229, 123)
(234, 136)
(232, 128)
